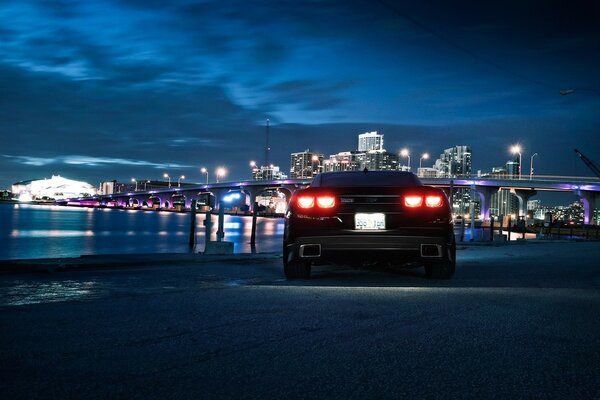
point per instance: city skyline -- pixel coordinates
(125, 89)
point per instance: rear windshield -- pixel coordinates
(369, 178)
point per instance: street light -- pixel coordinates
(179, 180)
(133, 180)
(516, 149)
(204, 171)
(220, 173)
(425, 156)
(405, 153)
(145, 183)
(531, 166)
(168, 177)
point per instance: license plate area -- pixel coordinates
(369, 221)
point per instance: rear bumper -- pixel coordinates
(384, 247)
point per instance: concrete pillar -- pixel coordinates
(252, 194)
(589, 200)
(218, 195)
(523, 195)
(485, 199)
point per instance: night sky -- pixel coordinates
(100, 90)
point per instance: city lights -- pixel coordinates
(405, 153)
(220, 172)
(204, 171)
(425, 156)
(516, 149)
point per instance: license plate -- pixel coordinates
(371, 221)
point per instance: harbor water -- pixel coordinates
(42, 231)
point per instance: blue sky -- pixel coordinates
(115, 89)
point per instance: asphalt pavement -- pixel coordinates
(517, 322)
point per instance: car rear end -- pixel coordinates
(393, 220)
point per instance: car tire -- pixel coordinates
(294, 268)
(443, 269)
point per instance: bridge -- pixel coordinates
(586, 188)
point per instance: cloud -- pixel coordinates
(91, 161)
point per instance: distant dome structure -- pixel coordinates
(55, 188)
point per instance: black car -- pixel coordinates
(369, 216)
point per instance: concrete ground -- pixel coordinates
(517, 321)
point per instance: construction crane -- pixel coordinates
(589, 163)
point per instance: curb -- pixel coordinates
(89, 262)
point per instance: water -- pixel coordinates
(35, 231)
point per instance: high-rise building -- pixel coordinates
(380, 160)
(305, 164)
(370, 141)
(267, 173)
(512, 168)
(454, 162)
(344, 161)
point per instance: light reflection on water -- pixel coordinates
(33, 231)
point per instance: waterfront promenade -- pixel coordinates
(518, 321)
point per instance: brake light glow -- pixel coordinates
(413, 201)
(306, 202)
(433, 201)
(326, 201)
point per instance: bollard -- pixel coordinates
(508, 227)
(491, 229)
(192, 239)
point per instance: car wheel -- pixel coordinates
(294, 268)
(443, 269)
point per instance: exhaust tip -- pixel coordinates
(431, 251)
(310, 250)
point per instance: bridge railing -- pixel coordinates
(499, 232)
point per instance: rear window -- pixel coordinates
(369, 178)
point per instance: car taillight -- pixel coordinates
(433, 201)
(306, 202)
(323, 202)
(413, 201)
(430, 201)
(326, 201)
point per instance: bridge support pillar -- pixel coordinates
(523, 195)
(252, 194)
(485, 199)
(589, 200)
(218, 197)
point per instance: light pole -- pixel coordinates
(405, 153)
(133, 180)
(168, 177)
(516, 149)
(145, 183)
(204, 171)
(425, 156)
(179, 180)
(220, 172)
(531, 166)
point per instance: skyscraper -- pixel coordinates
(370, 141)
(305, 164)
(454, 162)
